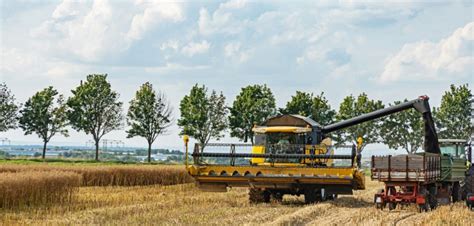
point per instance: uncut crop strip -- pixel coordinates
(114, 175)
(30, 188)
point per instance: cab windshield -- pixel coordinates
(453, 149)
(285, 138)
(449, 150)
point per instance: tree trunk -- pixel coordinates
(97, 150)
(44, 149)
(149, 152)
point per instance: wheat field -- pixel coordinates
(114, 175)
(184, 204)
(37, 188)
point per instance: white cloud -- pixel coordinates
(173, 67)
(67, 9)
(32, 65)
(90, 33)
(194, 48)
(154, 13)
(234, 4)
(94, 30)
(231, 49)
(170, 44)
(450, 57)
(234, 51)
(222, 19)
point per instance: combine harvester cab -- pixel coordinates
(288, 157)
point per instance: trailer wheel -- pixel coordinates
(423, 207)
(433, 201)
(457, 194)
(258, 196)
(392, 205)
(379, 206)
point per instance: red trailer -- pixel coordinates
(408, 179)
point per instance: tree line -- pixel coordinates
(94, 108)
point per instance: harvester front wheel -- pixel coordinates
(312, 196)
(276, 197)
(258, 196)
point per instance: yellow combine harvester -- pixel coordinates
(291, 154)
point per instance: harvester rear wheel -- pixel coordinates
(258, 196)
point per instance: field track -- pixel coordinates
(186, 205)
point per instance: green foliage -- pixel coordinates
(453, 117)
(321, 110)
(251, 107)
(149, 115)
(42, 116)
(315, 107)
(300, 104)
(94, 108)
(352, 107)
(403, 130)
(8, 109)
(203, 116)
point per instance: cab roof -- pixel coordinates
(291, 120)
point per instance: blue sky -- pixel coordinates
(392, 51)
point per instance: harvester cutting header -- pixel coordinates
(294, 155)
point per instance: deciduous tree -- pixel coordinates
(315, 107)
(95, 109)
(352, 107)
(149, 115)
(203, 116)
(8, 109)
(41, 115)
(252, 106)
(453, 117)
(321, 110)
(300, 104)
(403, 130)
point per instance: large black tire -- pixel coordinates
(468, 187)
(424, 207)
(470, 204)
(392, 205)
(258, 196)
(432, 200)
(457, 193)
(276, 197)
(312, 195)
